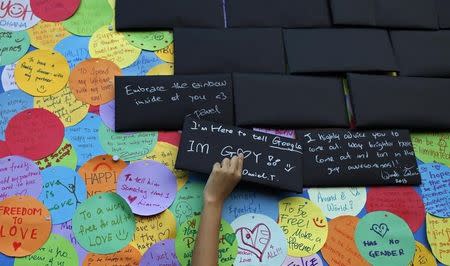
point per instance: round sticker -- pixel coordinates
(8, 80)
(74, 49)
(25, 224)
(161, 253)
(152, 229)
(142, 65)
(402, 201)
(128, 146)
(64, 156)
(65, 230)
(435, 188)
(339, 201)
(172, 137)
(432, 147)
(45, 35)
(166, 154)
(34, 133)
(19, 176)
(63, 190)
(90, 16)
(13, 45)
(185, 242)
(64, 105)
(104, 223)
(260, 240)
(166, 54)
(4, 150)
(423, 256)
(313, 260)
(54, 10)
(84, 138)
(107, 113)
(92, 81)
(188, 202)
(383, 238)
(11, 103)
(101, 173)
(112, 45)
(161, 70)
(304, 225)
(340, 248)
(17, 15)
(437, 235)
(148, 186)
(150, 40)
(42, 72)
(128, 256)
(56, 251)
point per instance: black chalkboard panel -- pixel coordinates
(151, 14)
(443, 6)
(269, 160)
(162, 102)
(288, 101)
(339, 157)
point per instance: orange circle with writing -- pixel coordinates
(25, 225)
(128, 256)
(340, 247)
(92, 81)
(100, 174)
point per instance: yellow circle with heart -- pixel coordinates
(304, 225)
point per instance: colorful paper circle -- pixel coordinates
(435, 188)
(74, 48)
(166, 54)
(437, 236)
(142, 65)
(188, 201)
(65, 230)
(17, 15)
(150, 40)
(90, 16)
(165, 69)
(54, 10)
(45, 35)
(161, 253)
(11, 103)
(13, 45)
(128, 256)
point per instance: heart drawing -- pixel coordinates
(131, 199)
(254, 240)
(16, 245)
(380, 229)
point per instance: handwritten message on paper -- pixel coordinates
(335, 202)
(423, 256)
(432, 147)
(167, 54)
(65, 155)
(25, 225)
(19, 176)
(65, 230)
(146, 61)
(160, 254)
(128, 256)
(383, 238)
(185, 242)
(152, 229)
(304, 225)
(340, 157)
(150, 40)
(45, 35)
(199, 96)
(56, 251)
(13, 45)
(90, 15)
(435, 188)
(104, 223)
(74, 49)
(438, 236)
(11, 103)
(7, 78)
(188, 201)
(260, 240)
(148, 186)
(269, 160)
(340, 247)
(16, 15)
(313, 260)
(55, 10)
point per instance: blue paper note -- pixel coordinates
(6, 261)
(142, 65)
(11, 103)
(74, 48)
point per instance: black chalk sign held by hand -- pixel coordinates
(340, 157)
(162, 102)
(269, 160)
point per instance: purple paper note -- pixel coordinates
(161, 253)
(19, 176)
(148, 187)
(65, 230)
(107, 114)
(287, 133)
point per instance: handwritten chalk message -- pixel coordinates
(338, 157)
(104, 223)
(383, 238)
(142, 65)
(128, 256)
(90, 15)
(148, 186)
(166, 54)
(7, 78)
(438, 235)
(188, 201)
(185, 242)
(200, 96)
(150, 40)
(152, 229)
(25, 225)
(432, 147)
(19, 176)
(63, 190)
(16, 15)
(402, 201)
(74, 49)
(42, 72)
(45, 35)
(111, 45)
(64, 156)
(335, 202)
(128, 146)
(161, 254)
(55, 10)
(101, 173)
(269, 160)
(260, 240)
(423, 256)
(435, 188)
(13, 45)
(340, 247)
(65, 230)
(313, 260)
(56, 251)
(11, 103)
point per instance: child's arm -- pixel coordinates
(224, 177)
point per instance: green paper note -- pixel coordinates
(150, 40)
(432, 147)
(188, 202)
(13, 45)
(90, 16)
(65, 155)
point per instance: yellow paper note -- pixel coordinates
(45, 35)
(162, 69)
(422, 256)
(166, 54)
(438, 235)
